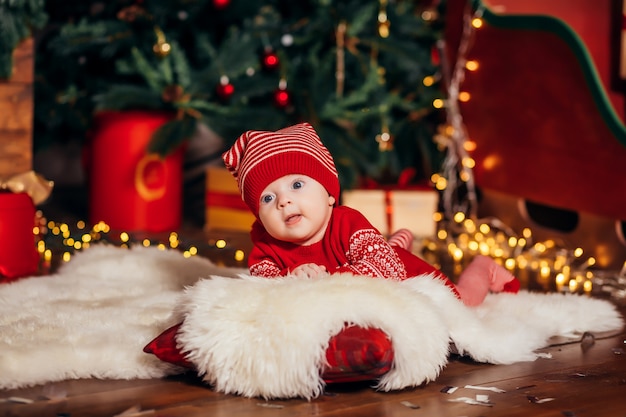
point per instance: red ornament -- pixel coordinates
(225, 90)
(434, 56)
(221, 4)
(282, 98)
(270, 60)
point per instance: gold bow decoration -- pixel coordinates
(31, 183)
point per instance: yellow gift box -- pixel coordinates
(225, 209)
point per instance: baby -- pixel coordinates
(289, 180)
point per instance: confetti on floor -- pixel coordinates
(494, 389)
(270, 405)
(409, 404)
(537, 400)
(471, 401)
(18, 400)
(135, 411)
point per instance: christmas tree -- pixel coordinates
(364, 73)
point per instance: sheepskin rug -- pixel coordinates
(258, 337)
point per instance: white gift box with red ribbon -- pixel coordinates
(391, 209)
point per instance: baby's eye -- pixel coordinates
(297, 184)
(267, 198)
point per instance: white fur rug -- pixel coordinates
(253, 336)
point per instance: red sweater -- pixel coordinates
(350, 244)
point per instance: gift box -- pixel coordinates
(18, 250)
(129, 188)
(391, 209)
(224, 207)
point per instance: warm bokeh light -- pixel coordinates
(477, 22)
(471, 65)
(469, 145)
(469, 162)
(438, 103)
(464, 96)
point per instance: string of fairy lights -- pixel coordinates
(460, 234)
(57, 242)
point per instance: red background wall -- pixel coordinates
(590, 19)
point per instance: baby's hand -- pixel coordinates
(310, 270)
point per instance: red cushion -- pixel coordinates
(164, 347)
(354, 354)
(358, 354)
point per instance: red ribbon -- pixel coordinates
(229, 200)
(404, 182)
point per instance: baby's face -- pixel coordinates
(295, 208)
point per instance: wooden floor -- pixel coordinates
(578, 381)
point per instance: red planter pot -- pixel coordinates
(18, 251)
(130, 189)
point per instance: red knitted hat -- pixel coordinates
(258, 158)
